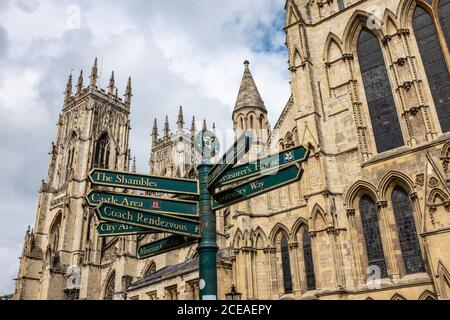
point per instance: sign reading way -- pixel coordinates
(262, 166)
(169, 206)
(143, 182)
(256, 187)
(163, 245)
(230, 158)
(148, 219)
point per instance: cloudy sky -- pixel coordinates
(178, 52)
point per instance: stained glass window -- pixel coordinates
(433, 58)
(372, 238)
(383, 113)
(286, 265)
(409, 243)
(309, 265)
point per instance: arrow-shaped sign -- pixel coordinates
(148, 219)
(112, 229)
(262, 166)
(164, 245)
(256, 187)
(143, 182)
(230, 158)
(169, 206)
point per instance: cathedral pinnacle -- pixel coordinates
(68, 92)
(112, 84)
(193, 125)
(94, 75)
(248, 92)
(166, 127)
(205, 127)
(80, 83)
(128, 92)
(180, 122)
(133, 168)
(155, 129)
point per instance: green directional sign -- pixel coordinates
(262, 166)
(147, 219)
(230, 158)
(257, 186)
(164, 245)
(111, 229)
(143, 182)
(169, 206)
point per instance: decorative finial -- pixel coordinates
(128, 92)
(112, 84)
(94, 74)
(166, 127)
(68, 92)
(180, 121)
(246, 63)
(80, 83)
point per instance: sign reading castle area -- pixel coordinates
(169, 206)
(147, 219)
(143, 182)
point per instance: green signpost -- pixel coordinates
(263, 166)
(113, 229)
(147, 219)
(256, 187)
(161, 246)
(143, 182)
(230, 158)
(160, 205)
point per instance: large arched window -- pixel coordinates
(286, 265)
(433, 49)
(69, 162)
(383, 113)
(309, 264)
(110, 287)
(374, 247)
(406, 228)
(102, 152)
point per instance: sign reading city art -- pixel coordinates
(143, 182)
(164, 245)
(257, 186)
(230, 158)
(110, 229)
(147, 219)
(262, 166)
(169, 206)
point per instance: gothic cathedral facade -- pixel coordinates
(370, 218)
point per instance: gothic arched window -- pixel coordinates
(309, 264)
(406, 228)
(383, 113)
(286, 265)
(433, 50)
(110, 287)
(102, 152)
(374, 247)
(69, 162)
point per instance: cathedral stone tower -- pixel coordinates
(250, 112)
(61, 251)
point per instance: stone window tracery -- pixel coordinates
(286, 265)
(309, 264)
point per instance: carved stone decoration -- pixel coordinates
(433, 182)
(420, 179)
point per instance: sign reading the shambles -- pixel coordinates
(256, 187)
(110, 229)
(176, 207)
(143, 182)
(148, 220)
(262, 166)
(163, 245)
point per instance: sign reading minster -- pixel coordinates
(164, 245)
(143, 182)
(148, 220)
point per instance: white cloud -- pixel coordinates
(177, 52)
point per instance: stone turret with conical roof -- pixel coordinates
(250, 113)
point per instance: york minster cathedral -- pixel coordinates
(370, 218)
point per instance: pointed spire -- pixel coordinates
(80, 83)
(180, 122)
(128, 92)
(155, 131)
(193, 125)
(68, 92)
(94, 75)
(166, 127)
(133, 168)
(112, 84)
(248, 92)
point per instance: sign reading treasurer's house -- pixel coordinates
(148, 219)
(169, 206)
(143, 182)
